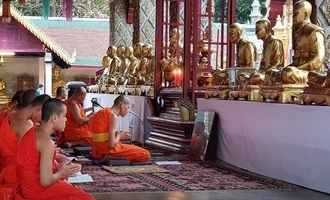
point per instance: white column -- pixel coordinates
(41, 73)
(48, 66)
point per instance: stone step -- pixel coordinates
(162, 146)
(169, 121)
(169, 136)
(173, 109)
(175, 130)
(170, 116)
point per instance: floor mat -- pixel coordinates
(188, 176)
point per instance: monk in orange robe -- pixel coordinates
(76, 129)
(14, 125)
(106, 141)
(37, 177)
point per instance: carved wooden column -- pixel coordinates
(136, 21)
(6, 8)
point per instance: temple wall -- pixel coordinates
(75, 73)
(122, 33)
(147, 21)
(18, 66)
(323, 15)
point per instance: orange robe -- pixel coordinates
(8, 146)
(28, 176)
(75, 132)
(99, 126)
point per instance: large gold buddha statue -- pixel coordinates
(308, 45)
(246, 51)
(272, 55)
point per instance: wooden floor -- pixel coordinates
(300, 194)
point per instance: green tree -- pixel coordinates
(81, 8)
(243, 9)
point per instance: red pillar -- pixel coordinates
(158, 45)
(231, 19)
(196, 32)
(187, 42)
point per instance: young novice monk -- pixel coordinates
(13, 125)
(37, 178)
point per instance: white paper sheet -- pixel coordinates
(168, 163)
(82, 178)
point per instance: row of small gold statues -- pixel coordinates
(127, 66)
(304, 80)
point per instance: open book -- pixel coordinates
(80, 178)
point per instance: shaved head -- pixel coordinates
(50, 108)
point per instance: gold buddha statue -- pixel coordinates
(220, 77)
(124, 62)
(168, 67)
(246, 51)
(145, 72)
(138, 50)
(272, 55)
(174, 60)
(309, 48)
(114, 67)
(132, 66)
(173, 48)
(147, 53)
(106, 61)
(57, 80)
(4, 98)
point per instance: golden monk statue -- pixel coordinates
(133, 65)
(145, 72)
(246, 51)
(147, 53)
(138, 50)
(106, 61)
(114, 67)
(124, 63)
(272, 55)
(309, 49)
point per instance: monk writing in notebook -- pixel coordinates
(76, 129)
(37, 177)
(106, 140)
